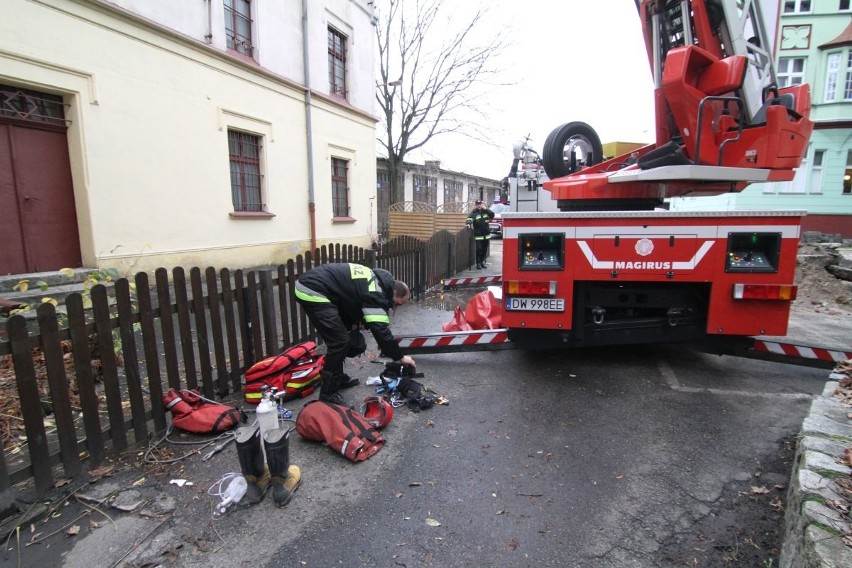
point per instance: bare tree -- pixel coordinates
(430, 78)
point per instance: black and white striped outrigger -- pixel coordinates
(498, 339)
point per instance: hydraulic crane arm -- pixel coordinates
(722, 121)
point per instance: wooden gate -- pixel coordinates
(38, 219)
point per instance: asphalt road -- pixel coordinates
(597, 458)
(609, 457)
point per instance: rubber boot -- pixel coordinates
(251, 463)
(347, 382)
(285, 477)
(330, 386)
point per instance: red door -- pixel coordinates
(38, 220)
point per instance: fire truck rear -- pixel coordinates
(613, 266)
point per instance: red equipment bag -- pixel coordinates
(192, 413)
(294, 372)
(458, 323)
(345, 431)
(484, 311)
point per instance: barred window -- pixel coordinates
(336, 63)
(425, 189)
(244, 152)
(31, 106)
(453, 191)
(340, 187)
(238, 26)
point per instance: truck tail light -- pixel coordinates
(530, 288)
(765, 292)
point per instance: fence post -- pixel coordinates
(31, 409)
(248, 346)
(109, 368)
(267, 313)
(450, 260)
(370, 258)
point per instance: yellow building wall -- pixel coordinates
(148, 140)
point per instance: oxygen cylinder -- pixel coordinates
(267, 416)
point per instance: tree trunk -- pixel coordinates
(395, 173)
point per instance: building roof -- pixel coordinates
(844, 38)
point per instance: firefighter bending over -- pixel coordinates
(338, 298)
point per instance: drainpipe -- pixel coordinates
(312, 206)
(208, 37)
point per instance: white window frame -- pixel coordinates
(815, 178)
(847, 8)
(832, 73)
(787, 78)
(797, 184)
(797, 6)
(847, 84)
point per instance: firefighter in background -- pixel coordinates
(478, 221)
(339, 297)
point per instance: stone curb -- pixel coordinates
(814, 529)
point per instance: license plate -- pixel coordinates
(535, 304)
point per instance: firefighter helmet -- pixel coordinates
(378, 411)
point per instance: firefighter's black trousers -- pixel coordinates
(481, 250)
(330, 327)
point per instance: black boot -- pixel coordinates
(329, 388)
(347, 382)
(285, 477)
(251, 463)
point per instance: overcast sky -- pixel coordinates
(570, 60)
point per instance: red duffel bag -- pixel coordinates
(484, 311)
(193, 413)
(345, 431)
(458, 323)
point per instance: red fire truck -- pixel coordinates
(612, 266)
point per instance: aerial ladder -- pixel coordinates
(612, 266)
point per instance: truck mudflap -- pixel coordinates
(746, 347)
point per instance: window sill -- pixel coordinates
(251, 215)
(343, 220)
(242, 56)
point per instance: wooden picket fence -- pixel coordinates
(199, 330)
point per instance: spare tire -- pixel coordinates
(570, 147)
